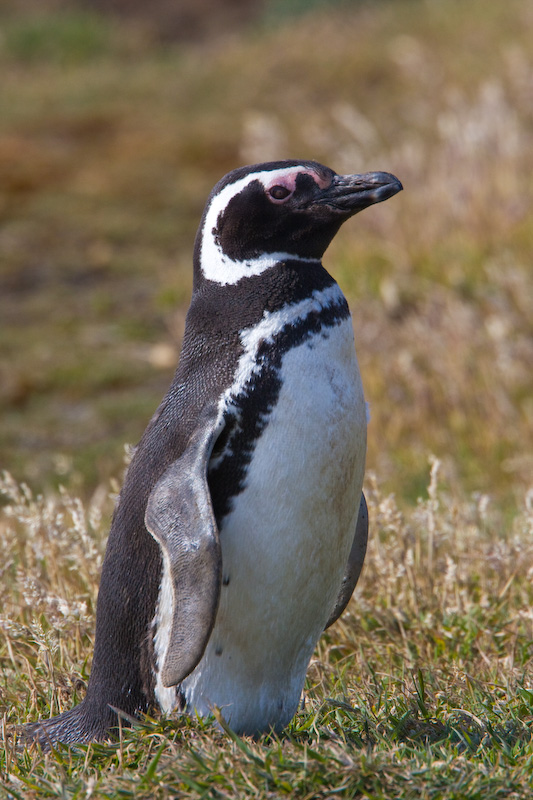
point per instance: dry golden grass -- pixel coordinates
(424, 684)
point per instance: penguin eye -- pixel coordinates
(279, 192)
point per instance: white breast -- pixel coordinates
(285, 544)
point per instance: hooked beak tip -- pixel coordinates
(352, 193)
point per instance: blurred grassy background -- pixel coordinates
(117, 120)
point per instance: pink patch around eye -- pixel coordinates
(289, 180)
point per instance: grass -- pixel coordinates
(109, 144)
(423, 689)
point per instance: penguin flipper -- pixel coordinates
(179, 515)
(355, 563)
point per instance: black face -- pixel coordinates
(298, 211)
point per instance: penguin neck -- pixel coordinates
(212, 264)
(218, 314)
(216, 306)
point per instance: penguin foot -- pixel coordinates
(77, 726)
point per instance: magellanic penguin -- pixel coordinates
(232, 545)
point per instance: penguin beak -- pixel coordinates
(349, 194)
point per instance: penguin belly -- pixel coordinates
(286, 541)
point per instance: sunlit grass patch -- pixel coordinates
(424, 683)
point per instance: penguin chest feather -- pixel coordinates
(287, 532)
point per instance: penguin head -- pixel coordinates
(264, 214)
